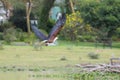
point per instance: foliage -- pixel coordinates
(29, 38)
(18, 19)
(9, 35)
(23, 36)
(70, 6)
(8, 32)
(76, 30)
(41, 11)
(117, 32)
(116, 36)
(103, 15)
(50, 25)
(16, 34)
(71, 27)
(68, 10)
(5, 26)
(19, 34)
(100, 14)
(1, 36)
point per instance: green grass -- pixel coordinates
(96, 76)
(25, 63)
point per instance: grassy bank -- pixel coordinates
(50, 63)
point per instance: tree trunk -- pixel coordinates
(28, 11)
(69, 6)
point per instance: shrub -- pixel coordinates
(29, 38)
(12, 34)
(5, 26)
(1, 36)
(116, 36)
(71, 27)
(9, 35)
(18, 18)
(118, 32)
(76, 30)
(20, 35)
(9, 32)
(93, 55)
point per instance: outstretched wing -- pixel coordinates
(56, 29)
(37, 32)
(54, 32)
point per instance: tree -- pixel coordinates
(18, 19)
(41, 10)
(5, 3)
(103, 15)
(28, 11)
(38, 8)
(28, 4)
(76, 30)
(19, 13)
(70, 6)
